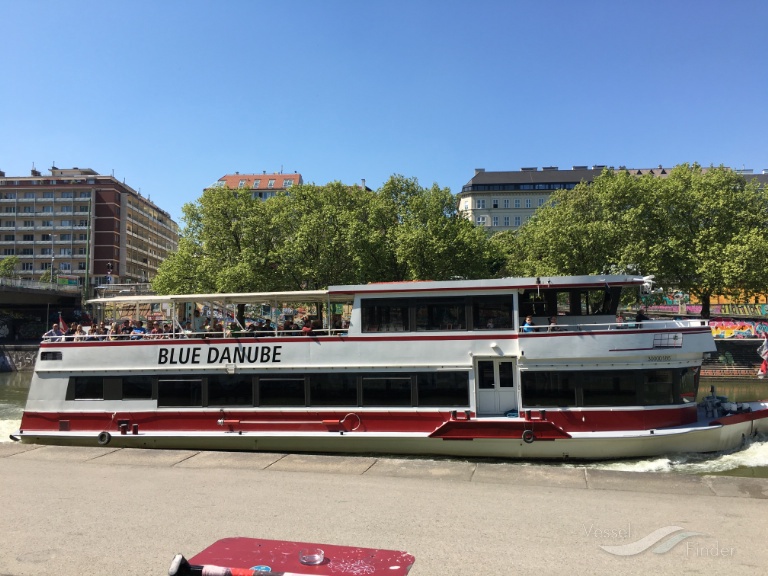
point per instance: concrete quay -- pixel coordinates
(107, 511)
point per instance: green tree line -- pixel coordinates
(702, 231)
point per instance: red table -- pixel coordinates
(283, 556)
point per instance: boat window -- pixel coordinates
(492, 313)
(689, 385)
(443, 388)
(610, 389)
(137, 387)
(230, 390)
(333, 390)
(657, 388)
(181, 391)
(484, 376)
(548, 389)
(387, 390)
(534, 303)
(287, 391)
(50, 356)
(86, 387)
(441, 315)
(506, 375)
(384, 315)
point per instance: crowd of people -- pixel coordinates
(197, 327)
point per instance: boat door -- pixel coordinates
(495, 385)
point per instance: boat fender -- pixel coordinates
(528, 436)
(104, 438)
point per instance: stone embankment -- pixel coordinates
(17, 357)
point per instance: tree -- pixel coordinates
(425, 237)
(316, 236)
(8, 266)
(701, 231)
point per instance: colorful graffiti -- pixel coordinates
(734, 328)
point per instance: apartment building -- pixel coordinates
(262, 186)
(505, 200)
(87, 227)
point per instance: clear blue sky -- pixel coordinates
(173, 94)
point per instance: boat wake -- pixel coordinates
(753, 456)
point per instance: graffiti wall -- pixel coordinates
(738, 328)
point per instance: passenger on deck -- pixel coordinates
(640, 317)
(54, 334)
(138, 331)
(528, 326)
(79, 334)
(126, 329)
(553, 326)
(114, 332)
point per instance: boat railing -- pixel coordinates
(572, 324)
(187, 334)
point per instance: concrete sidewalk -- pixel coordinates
(104, 511)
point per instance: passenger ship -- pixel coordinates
(428, 368)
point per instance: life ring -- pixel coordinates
(528, 436)
(104, 438)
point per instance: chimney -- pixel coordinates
(479, 170)
(2, 174)
(363, 180)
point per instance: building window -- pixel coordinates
(506, 220)
(480, 203)
(47, 223)
(45, 266)
(256, 183)
(8, 252)
(29, 195)
(542, 186)
(9, 237)
(506, 202)
(526, 186)
(517, 221)
(81, 265)
(65, 266)
(517, 202)
(66, 208)
(241, 184)
(85, 194)
(47, 194)
(82, 208)
(10, 223)
(287, 183)
(45, 251)
(81, 251)
(67, 194)
(528, 203)
(47, 209)
(480, 220)
(271, 184)
(10, 195)
(29, 238)
(82, 237)
(66, 237)
(495, 202)
(66, 223)
(45, 238)
(10, 209)
(29, 223)
(466, 204)
(27, 266)
(28, 209)
(27, 252)
(495, 221)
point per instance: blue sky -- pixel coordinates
(172, 94)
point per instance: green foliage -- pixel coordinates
(316, 236)
(703, 232)
(8, 266)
